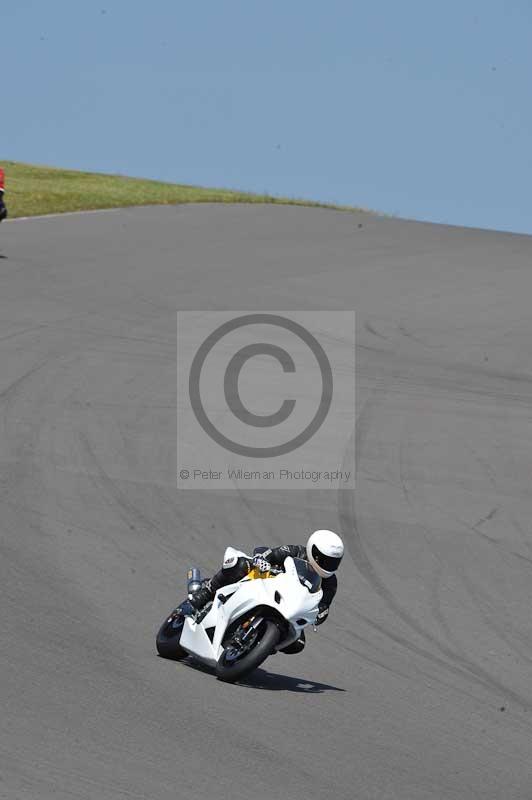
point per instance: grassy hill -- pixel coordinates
(33, 190)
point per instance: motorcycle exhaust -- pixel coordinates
(193, 580)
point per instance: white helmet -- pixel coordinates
(325, 550)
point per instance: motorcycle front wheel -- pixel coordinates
(234, 665)
(168, 637)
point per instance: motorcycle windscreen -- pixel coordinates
(307, 576)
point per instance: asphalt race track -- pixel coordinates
(419, 687)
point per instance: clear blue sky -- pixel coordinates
(418, 108)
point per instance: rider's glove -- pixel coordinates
(323, 613)
(261, 564)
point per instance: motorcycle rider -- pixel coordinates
(3, 209)
(324, 551)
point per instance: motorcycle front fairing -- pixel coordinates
(284, 594)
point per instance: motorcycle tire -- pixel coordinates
(167, 641)
(234, 671)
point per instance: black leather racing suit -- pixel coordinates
(276, 556)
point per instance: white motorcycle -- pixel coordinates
(247, 621)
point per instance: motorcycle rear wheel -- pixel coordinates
(231, 671)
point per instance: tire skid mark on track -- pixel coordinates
(122, 504)
(484, 519)
(374, 332)
(32, 329)
(407, 334)
(463, 668)
(8, 394)
(431, 677)
(436, 609)
(449, 659)
(422, 374)
(434, 597)
(522, 535)
(489, 613)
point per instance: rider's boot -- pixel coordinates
(202, 596)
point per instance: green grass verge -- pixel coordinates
(33, 190)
